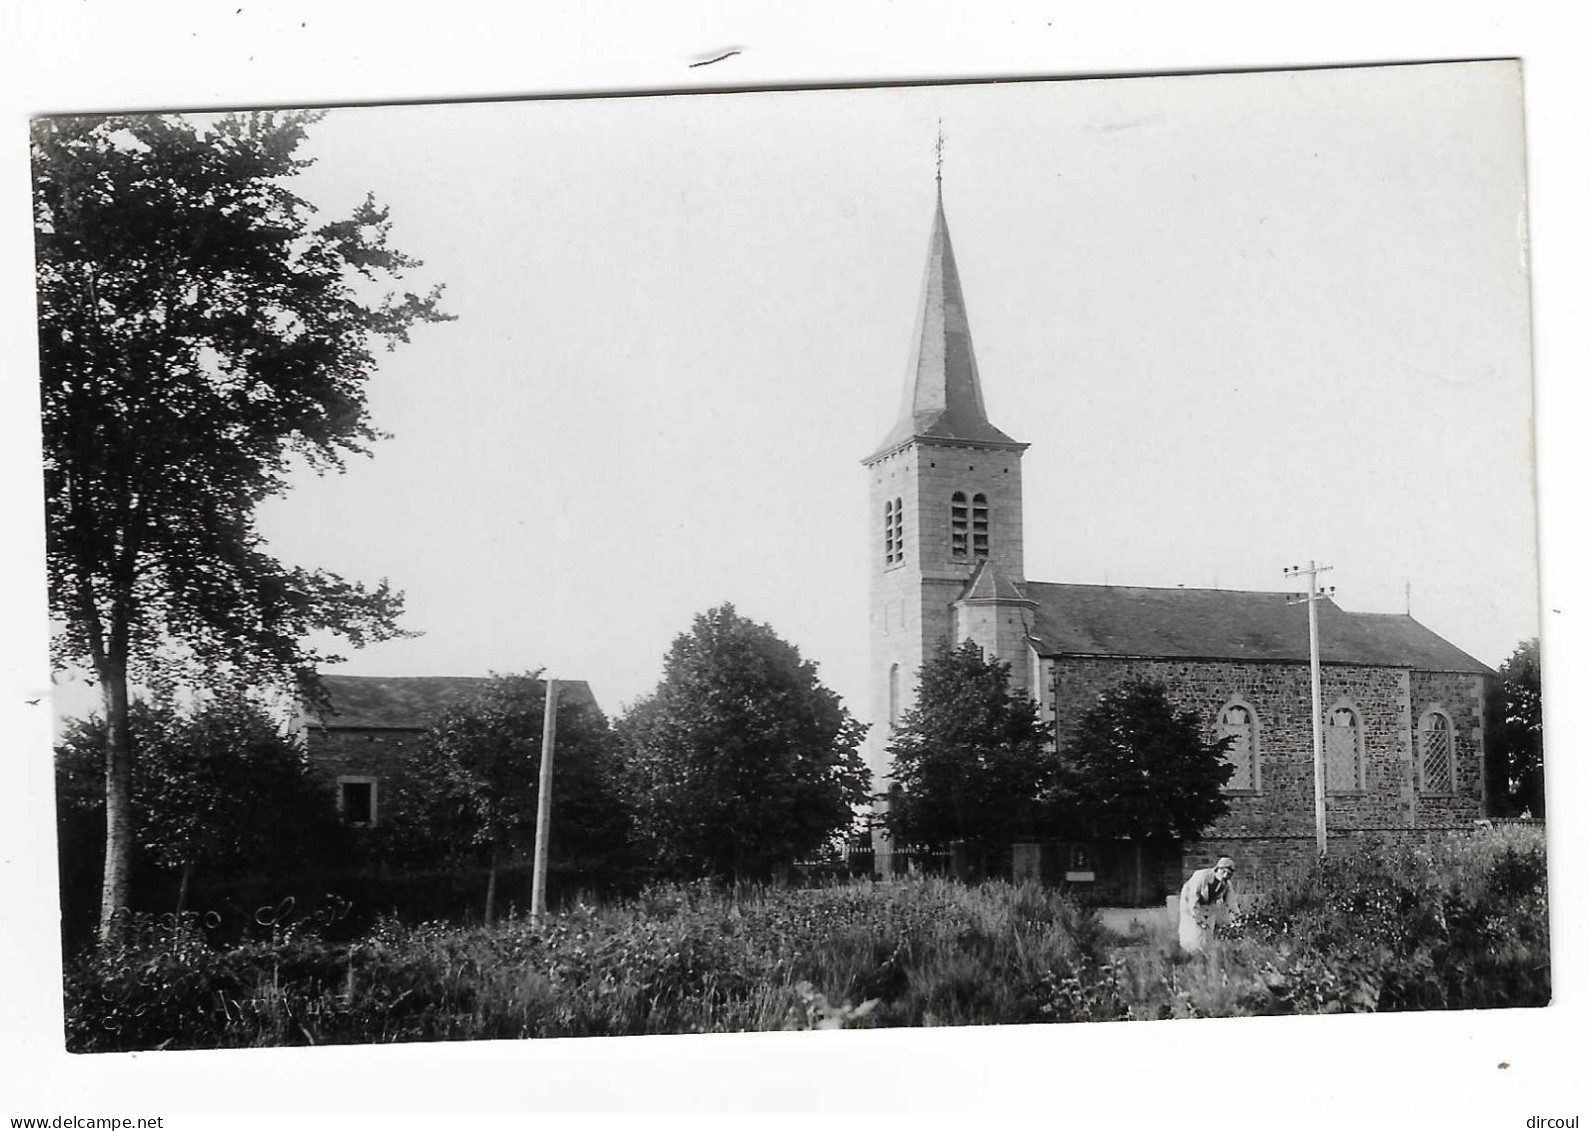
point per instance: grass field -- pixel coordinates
(1462, 924)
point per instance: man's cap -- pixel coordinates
(1226, 862)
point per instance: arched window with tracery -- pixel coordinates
(1437, 761)
(1239, 723)
(1344, 750)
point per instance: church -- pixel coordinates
(1403, 709)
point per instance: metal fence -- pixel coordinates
(862, 861)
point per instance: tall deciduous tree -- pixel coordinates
(1516, 730)
(741, 761)
(1137, 767)
(472, 790)
(199, 331)
(972, 761)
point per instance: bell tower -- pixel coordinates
(944, 502)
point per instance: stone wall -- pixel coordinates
(1001, 629)
(382, 754)
(1262, 862)
(1271, 828)
(1462, 699)
(936, 471)
(910, 599)
(1116, 877)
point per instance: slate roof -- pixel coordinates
(364, 702)
(990, 583)
(943, 395)
(1224, 624)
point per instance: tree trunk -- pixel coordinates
(116, 890)
(182, 889)
(491, 888)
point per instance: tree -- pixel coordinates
(210, 787)
(223, 787)
(972, 761)
(472, 790)
(1138, 768)
(741, 761)
(1516, 730)
(199, 337)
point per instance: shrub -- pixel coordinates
(1460, 924)
(158, 986)
(679, 959)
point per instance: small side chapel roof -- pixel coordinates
(990, 583)
(943, 395)
(1223, 624)
(365, 702)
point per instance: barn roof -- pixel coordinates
(1225, 624)
(374, 702)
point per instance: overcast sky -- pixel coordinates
(1243, 320)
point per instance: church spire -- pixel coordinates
(943, 396)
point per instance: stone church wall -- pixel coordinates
(1264, 861)
(1462, 698)
(1271, 829)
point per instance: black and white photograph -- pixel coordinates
(723, 564)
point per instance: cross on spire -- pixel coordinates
(938, 157)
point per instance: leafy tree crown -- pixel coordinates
(200, 334)
(1139, 767)
(1517, 729)
(473, 787)
(741, 760)
(211, 784)
(971, 760)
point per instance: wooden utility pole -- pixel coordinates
(1313, 597)
(549, 736)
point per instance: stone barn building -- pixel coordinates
(360, 742)
(1403, 708)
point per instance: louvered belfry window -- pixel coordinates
(893, 532)
(1435, 753)
(1343, 751)
(979, 526)
(958, 525)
